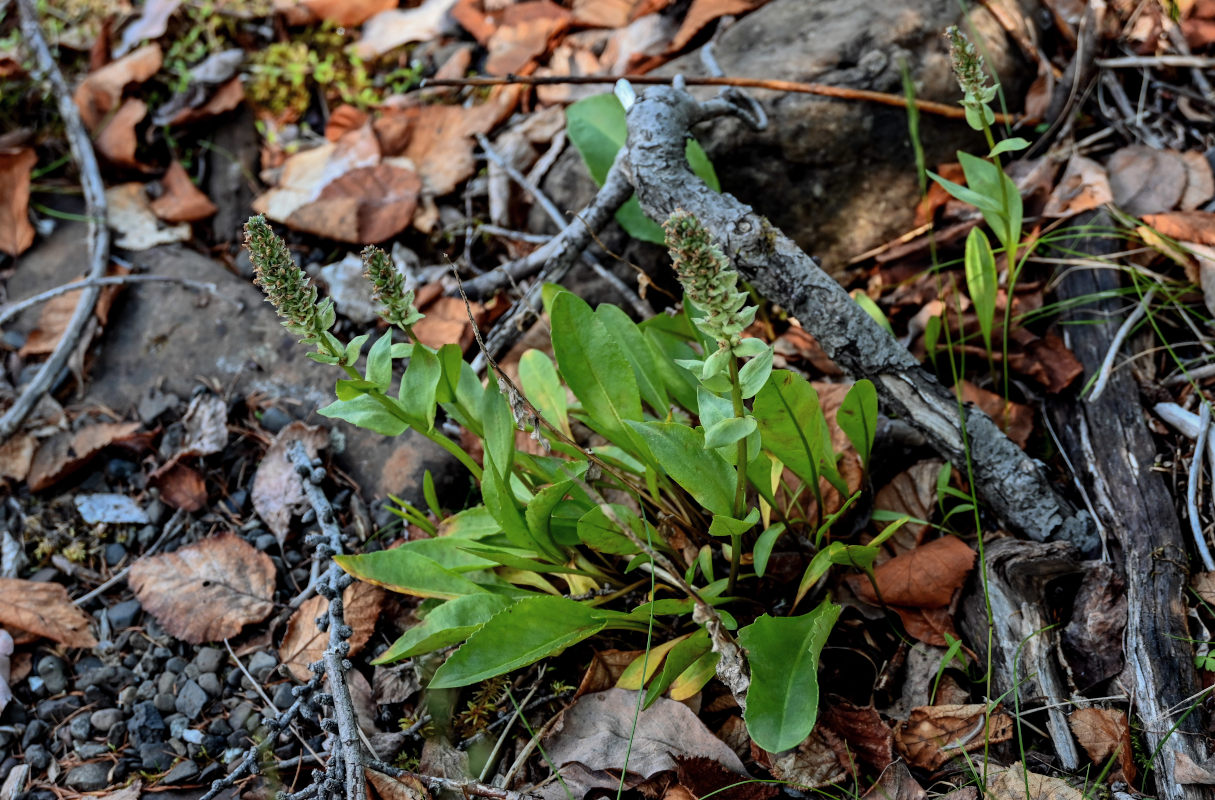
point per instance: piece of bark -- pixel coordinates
(1109, 443)
(1008, 479)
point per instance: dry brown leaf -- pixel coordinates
(1186, 226)
(1188, 771)
(56, 312)
(66, 452)
(305, 643)
(812, 764)
(605, 669)
(16, 232)
(933, 735)
(1015, 419)
(1085, 185)
(117, 139)
(407, 787)
(701, 777)
(912, 492)
(129, 213)
(1199, 181)
(16, 456)
(208, 590)
(867, 735)
(1016, 783)
(100, 92)
(44, 609)
(395, 27)
(523, 34)
(346, 13)
(182, 201)
(277, 489)
(1046, 360)
(343, 120)
(227, 97)
(394, 684)
(180, 486)
(1104, 732)
(926, 577)
(929, 625)
(206, 426)
(703, 12)
(1146, 180)
(604, 13)
(446, 321)
(895, 783)
(365, 206)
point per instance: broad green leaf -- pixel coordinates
(539, 381)
(682, 656)
(640, 353)
(638, 673)
(379, 362)
(500, 500)
(532, 629)
(350, 388)
(750, 347)
(596, 126)
(539, 516)
(354, 348)
(366, 412)
(402, 350)
(729, 526)
(448, 552)
(763, 547)
(729, 431)
(754, 374)
(430, 495)
(471, 523)
(981, 281)
(1009, 145)
(858, 416)
(409, 573)
(498, 424)
(451, 360)
(783, 653)
(516, 558)
(989, 180)
(595, 368)
(967, 195)
(694, 678)
(848, 555)
(420, 384)
(450, 623)
(681, 453)
(872, 309)
(679, 383)
(712, 408)
(599, 533)
(794, 429)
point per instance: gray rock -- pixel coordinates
(114, 553)
(115, 736)
(53, 672)
(105, 719)
(37, 757)
(260, 664)
(88, 750)
(111, 677)
(58, 709)
(210, 659)
(210, 684)
(176, 664)
(35, 730)
(283, 697)
(165, 702)
(166, 682)
(122, 615)
(154, 756)
(146, 725)
(146, 691)
(191, 700)
(89, 777)
(80, 728)
(178, 724)
(238, 715)
(191, 671)
(274, 419)
(191, 736)
(182, 772)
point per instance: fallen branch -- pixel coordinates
(13, 309)
(99, 235)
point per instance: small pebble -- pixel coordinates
(154, 757)
(88, 750)
(260, 665)
(178, 724)
(166, 682)
(191, 736)
(122, 615)
(35, 730)
(58, 709)
(275, 419)
(264, 541)
(176, 664)
(238, 715)
(182, 772)
(146, 725)
(37, 757)
(165, 702)
(210, 659)
(146, 691)
(105, 719)
(89, 777)
(210, 684)
(114, 554)
(80, 728)
(283, 697)
(191, 700)
(53, 672)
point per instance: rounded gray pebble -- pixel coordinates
(53, 672)
(260, 665)
(37, 757)
(210, 684)
(210, 659)
(105, 719)
(89, 777)
(283, 698)
(165, 702)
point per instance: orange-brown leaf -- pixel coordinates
(16, 232)
(305, 643)
(99, 93)
(66, 452)
(44, 609)
(934, 734)
(926, 577)
(182, 201)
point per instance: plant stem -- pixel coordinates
(740, 492)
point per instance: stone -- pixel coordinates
(105, 719)
(154, 756)
(58, 709)
(37, 757)
(34, 731)
(260, 664)
(274, 419)
(351, 292)
(238, 715)
(80, 728)
(89, 750)
(110, 677)
(114, 554)
(146, 725)
(210, 659)
(210, 684)
(89, 777)
(191, 700)
(53, 672)
(182, 772)
(176, 664)
(122, 615)
(283, 698)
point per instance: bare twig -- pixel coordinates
(1191, 495)
(171, 527)
(434, 783)
(1107, 366)
(13, 309)
(99, 235)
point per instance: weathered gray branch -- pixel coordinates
(1009, 480)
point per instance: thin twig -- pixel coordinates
(13, 309)
(1107, 366)
(1139, 62)
(1191, 494)
(95, 205)
(433, 782)
(794, 87)
(171, 527)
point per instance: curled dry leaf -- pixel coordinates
(446, 321)
(16, 456)
(180, 486)
(208, 590)
(277, 488)
(1185, 226)
(44, 609)
(366, 205)
(523, 34)
(933, 735)
(305, 643)
(130, 215)
(228, 96)
(863, 729)
(100, 92)
(895, 783)
(926, 577)
(55, 314)
(704, 12)
(345, 13)
(65, 453)
(151, 23)
(395, 27)
(407, 787)
(912, 492)
(1199, 181)
(117, 139)
(16, 232)
(1105, 732)
(206, 425)
(1085, 185)
(813, 763)
(182, 201)
(1017, 783)
(1145, 180)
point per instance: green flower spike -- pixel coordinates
(285, 285)
(389, 289)
(709, 280)
(968, 69)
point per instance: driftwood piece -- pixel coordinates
(1009, 480)
(1109, 444)
(1026, 670)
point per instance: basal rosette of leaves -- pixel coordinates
(545, 562)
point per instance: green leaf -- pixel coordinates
(728, 431)
(451, 362)
(379, 362)
(754, 374)
(499, 429)
(366, 412)
(595, 368)
(539, 381)
(450, 623)
(836, 553)
(350, 388)
(783, 653)
(678, 381)
(723, 525)
(448, 552)
(640, 353)
(402, 350)
(981, 281)
(471, 523)
(532, 629)
(599, 533)
(681, 453)
(858, 416)
(539, 515)
(596, 126)
(694, 678)
(967, 195)
(409, 573)
(354, 349)
(1004, 210)
(681, 656)
(420, 385)
(872, 309)
(793, 429)
(763, 547)
(750, 346)
(1009, 145)
(430, 495)
(496, 492)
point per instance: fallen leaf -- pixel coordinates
(1199, 181)
(208, 590)
(1016, 783)
(604, 13)
(151, 23)
(1105, 732)
(1098, 617)
(929, 625)
(1188, 771)
(926, 577)
(305, 643)
(605, 669)
(66, 452)
(277, 489)
(99, 93)
(812, 764)
(57, 312)
(1186, 226)
(1145, 180)
(111, 509)
(182, 201)
(130, 214)
(446, 321)
(16, 456)
(206, 426)
(228, 96)
(1015, 419)
(6, 653)
(895, 783)
(395, 27)
(862, 728)
(117, 139)
(346, 13)
(524, 32)
(365, 206)
(343, 120)
(704, 12)
(16, 232)
(180, 486)
(933, 735)
(1085, 185)
(394, 684)
(44, 609)
(912, 492)
(701, 777)
(1046, 360)
(406, 787)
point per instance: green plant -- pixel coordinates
(696, 478)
